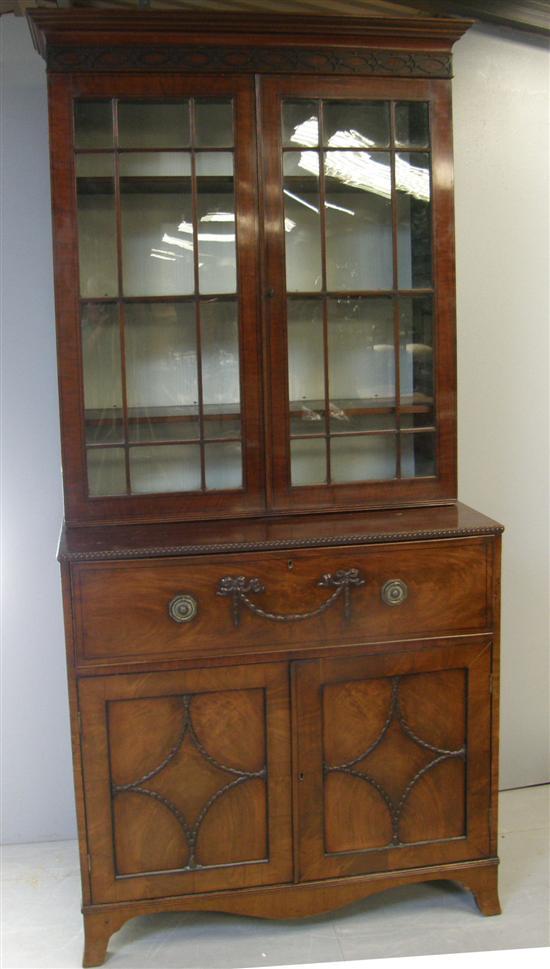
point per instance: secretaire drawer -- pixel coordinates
(229, 603)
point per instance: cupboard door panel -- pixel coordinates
(394, 762)
(186, 778)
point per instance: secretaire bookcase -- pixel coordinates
(282, 628)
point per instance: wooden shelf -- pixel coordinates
(409, 404)
(157, 184)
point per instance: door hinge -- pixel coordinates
(79, 722)
(89, 857)
(491, 681)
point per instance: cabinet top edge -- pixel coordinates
(98, 27)
(100, 543)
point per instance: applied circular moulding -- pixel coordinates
(183, 607)
(394, 592)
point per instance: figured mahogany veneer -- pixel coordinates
(273, 713)
(121, 609)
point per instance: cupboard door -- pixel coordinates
(361, 319)
(186, 780)
(156, 295)
(393, 760)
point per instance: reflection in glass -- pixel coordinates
(93, 124)
(220, 365)
(358, 219)
(300, 123)
(106, 471)
(418, 455)
(412, 175)
(223, 465)
(150, 124)
(369, 457)
(361, 359)
(165, 468)
(412, 124)
(302, 222)
(151, 164)
(157, 255)
(102, 373)
(94, 169)
(308, 462)
(96, 226)
(306, 367)
(213, 123)
(161, 371)
(417, 356)
(356, 124)
(216, 232)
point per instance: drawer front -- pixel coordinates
(225, 604)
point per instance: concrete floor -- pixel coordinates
(42, 922)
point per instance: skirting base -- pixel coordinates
(288, 901)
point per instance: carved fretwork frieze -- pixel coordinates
(239, 59)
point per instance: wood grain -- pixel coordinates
(121, 609)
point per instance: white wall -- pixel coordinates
(501, 119)
(36, 769)
(502, 245)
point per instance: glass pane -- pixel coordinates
(157, 235)
(361, 361)
(93, 124)
(417, 358)
(216, 213)
(223, 466)
(306, 367)
(302, 221)
(216, 163)
(308, 461)
(220, 368)
(213, 124)
(102, 373)
(412, 124)
(414, 213)
(360, 416)
(301, 123)
(418, 455)
(148, 164)
(161, 371)
(106, 471)
(149, 124)
(165, 467)
(94, 166)
(359, 222)
(356, 124)
(371, 457)
(96, 226)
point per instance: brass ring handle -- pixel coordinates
(394, 592)
(182, 608)
(238, 587)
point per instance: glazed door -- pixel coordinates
(394, 760)
(156, 296)
(186, 780)
(360, 314)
